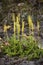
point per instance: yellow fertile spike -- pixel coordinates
(13, 18)
(22, 26)
(14, 27)
(31, 26)
(17, 23)
(38, 25)
(30, 22)
(6, 27)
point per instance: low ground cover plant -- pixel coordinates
(24, 47)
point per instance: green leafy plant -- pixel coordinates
(24, 47)
(14, 48)
(31, 48)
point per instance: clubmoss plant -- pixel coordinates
(24, 47)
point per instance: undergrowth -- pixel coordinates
(24, 47)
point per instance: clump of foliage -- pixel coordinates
(31, 48)
(14, 48)
(24, 47)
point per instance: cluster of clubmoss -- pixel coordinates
(24, 47)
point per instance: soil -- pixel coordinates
(12, 61)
